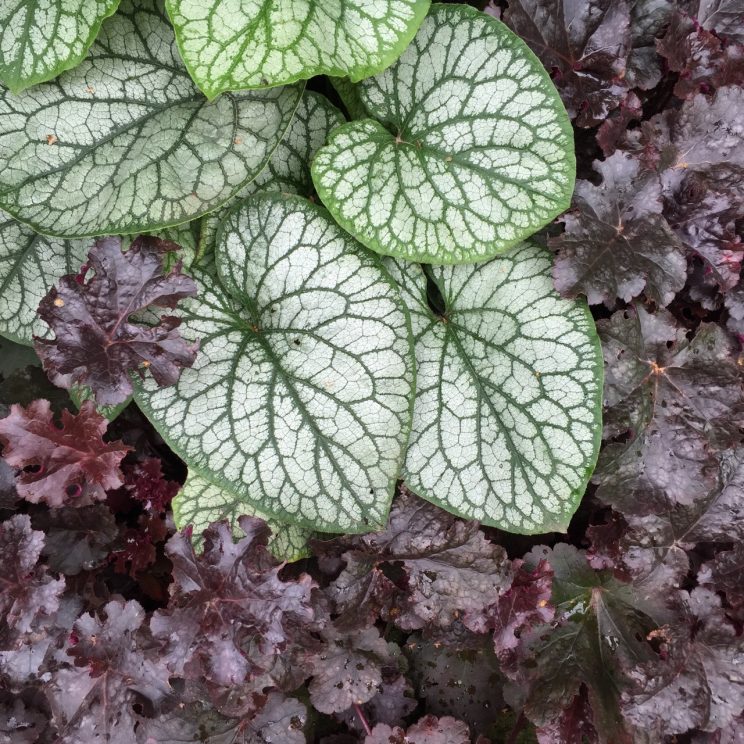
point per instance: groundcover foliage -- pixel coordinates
(301, 396)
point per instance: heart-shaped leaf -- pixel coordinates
(288, 169)
(506, 425)
(468, 152)
(199, 503)
(29, 265)
(41, 38)
(235, 44)
(301, 393)
(125, 143)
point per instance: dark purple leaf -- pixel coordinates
(703, 665)
(96, 342)
(673, 404)
(28, 593)
(348, 669)
(583, 45)
(616, 242)
(66, 465)
(724, 574)
(573, 726)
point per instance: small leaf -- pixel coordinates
(41, 39)
(428, 730)
(704, 667)
(96, 343)
(200, 503)
(64, 466)
(616, 243)
(125, 143)
(235, 44)
(28, 592)
(506, 424)
(471, 150)
(348, 669)
(300, 397)
(288, 170)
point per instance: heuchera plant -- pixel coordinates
(312, 281)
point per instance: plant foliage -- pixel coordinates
(163, 236)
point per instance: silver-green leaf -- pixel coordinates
(469, 149)
(125, 142)
(507, 419)
(235, 44)
(39, 39)
(199, 503)
(301, 396)
(288, 169)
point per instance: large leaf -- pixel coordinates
(234, 44)
(471, 150)
(200, 503)
(301, 393)
(506, 425)
(41, 38)
(288, 169)
(125, 142)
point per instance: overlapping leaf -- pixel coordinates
(617, 243)
(255, 43)
(288, 169)
(96, 342)
(667, 396)
(62, 465)
(585, 45)
(201, 502)
(125, 143)
(469, 149)
(39, 39)
(30, 264)
(505, 424)
(300, 397)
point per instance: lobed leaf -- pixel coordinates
(125, 143)
(301, 393)
(96, 341)
(468, 150)
(67, 465)
(508, 401)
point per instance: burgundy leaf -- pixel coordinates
(616, 242)
(67, 465)
(96, 343)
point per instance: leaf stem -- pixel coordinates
(363, 719)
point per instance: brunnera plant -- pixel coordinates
(369, 305)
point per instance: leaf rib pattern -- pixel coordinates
(236, 44)
(301, 395)
(469, 149)
(125, 143)
(39, 39)
(507, 416)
